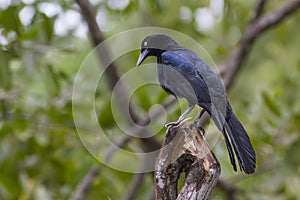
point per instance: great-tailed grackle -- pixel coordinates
(183, 74)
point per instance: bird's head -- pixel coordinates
(154, 45)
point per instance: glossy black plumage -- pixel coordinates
(183, 74)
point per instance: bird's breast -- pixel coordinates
(163, 77)
(175, 83)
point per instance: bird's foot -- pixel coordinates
(171, 124)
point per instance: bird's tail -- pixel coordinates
(240, 141)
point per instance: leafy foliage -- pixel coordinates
(41, 156)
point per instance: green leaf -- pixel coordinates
(48, 24)
(8, 187)
(270, 103)
(9, 19)
(5, 75)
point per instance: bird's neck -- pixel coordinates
(159, 60)
(158, 56)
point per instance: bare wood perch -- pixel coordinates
(185, 150)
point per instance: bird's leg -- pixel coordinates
(201, 129)
(182, 117)
(200, 114)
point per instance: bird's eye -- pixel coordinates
(145, 43)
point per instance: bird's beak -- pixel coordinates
(142, 57)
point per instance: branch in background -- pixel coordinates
(258, 10)
(104, 55)
(96, 35)
(85, 185)
(253, 30)
(228, 188)
(270, 20)
(134, 187)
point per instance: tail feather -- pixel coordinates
(240, 142)
(229, 148)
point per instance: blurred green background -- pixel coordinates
(43, 44)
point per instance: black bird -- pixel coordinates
(183, 74)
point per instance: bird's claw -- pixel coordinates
(171, 124)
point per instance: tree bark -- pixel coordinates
(185, 150)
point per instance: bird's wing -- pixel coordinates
(213, 83)
(185, 79)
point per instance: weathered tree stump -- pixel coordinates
(185, 150)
